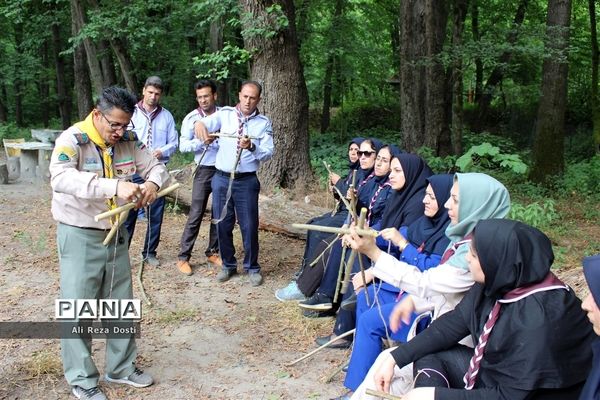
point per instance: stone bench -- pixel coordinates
(34, 159)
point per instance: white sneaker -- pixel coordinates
(138, 379)
(290, 293)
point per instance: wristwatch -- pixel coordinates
(252, 147)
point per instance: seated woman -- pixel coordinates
(373, 196)
(533, 340)
(473, 197)
(336, 219)
(408, 180)
(421, 244)
(591, 270)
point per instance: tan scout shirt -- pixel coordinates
(80, 190)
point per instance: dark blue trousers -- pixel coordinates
(243, 204)
(154, 214)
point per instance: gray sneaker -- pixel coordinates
(138, 379)
(152, 260)
(225, 274)
(255, 278)
(88, 394)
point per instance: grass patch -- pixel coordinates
(43, 363)
(167, 317)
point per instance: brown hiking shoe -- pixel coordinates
(184, 267)
(215, 260)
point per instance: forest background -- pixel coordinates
(504, 87)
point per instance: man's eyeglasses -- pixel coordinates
(115, 126)
(365, 153)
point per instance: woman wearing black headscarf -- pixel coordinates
(532, 339)
(314, 239)
(591, 270)
(425, 243)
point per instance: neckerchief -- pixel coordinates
(150, 116)
(87, 126)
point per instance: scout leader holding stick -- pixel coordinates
(91, 168)
(235, 185)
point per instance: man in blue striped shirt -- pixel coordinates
(248, 141)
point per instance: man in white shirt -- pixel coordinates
(155, 127)
(205, 156)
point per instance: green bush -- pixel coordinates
(538, 214)
(439, 165)
(361, 116)
(12, 131)
(582, 178)
(487, 157)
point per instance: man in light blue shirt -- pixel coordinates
(155, 127)
(246, 140)
(205, 156)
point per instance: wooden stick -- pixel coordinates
(345, 201)
(315, 351)
(348, 271)
(341, 231)
(230, 135)
(382, 395)
(336, 371)
(115, 228)
(340, 271)
(316, 260)
(129, 206)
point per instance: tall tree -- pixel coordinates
(82, 83)
(79, 18)
(548, 146)
(497, 74)
(595, 60)
(64, 103)
(330, 63)
(423, 83)
(276, 62)
(459, 14)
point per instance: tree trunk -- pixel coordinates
(18, 28)
(548, 146)
(497, 74)
(595, 59)
(285, 97)
(423, 84)
(329, 65)
(78, 16)
(43, 86)
(109, 78)
(81, 77)
(120, 49)
(216, 44)
(459, 14)
(3, 101)
(478, 62)
(302, 29)
(64, 103)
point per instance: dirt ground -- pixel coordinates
(199, 339)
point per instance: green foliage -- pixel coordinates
(12, 131)
(218, 64)
(180, 160)
(380, 114)
(324, 148)
(488, 157)
(581, 178)
(439, 165)
(269, 25)
(538, 214)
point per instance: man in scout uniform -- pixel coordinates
(91, 169)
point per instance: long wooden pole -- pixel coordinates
(315, 351)
(341, 231)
